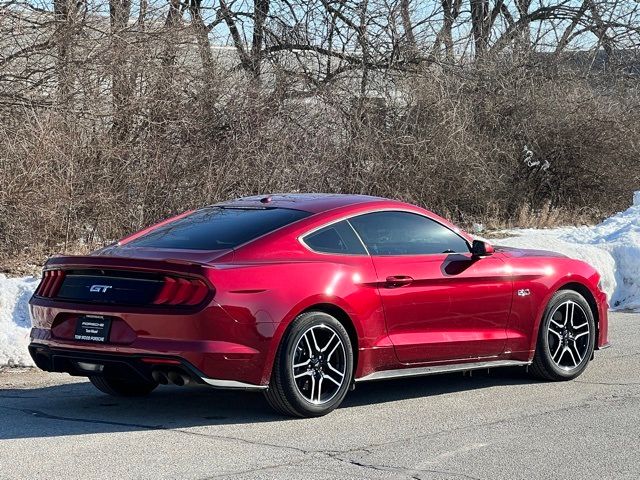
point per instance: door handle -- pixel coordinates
(394, 281)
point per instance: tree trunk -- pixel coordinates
(64, 13)
(523, 40)
(408, 26)
(121, 88)
(600, 29)
(568, 32)
(363, 39)
(451, 10)
(260, 12)
(163, 91)
(202, 37)
(480, 18)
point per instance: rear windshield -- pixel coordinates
(218, 228)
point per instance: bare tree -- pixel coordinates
(65, 15)
(114, 114)
(119, 13)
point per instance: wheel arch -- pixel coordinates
(574, 284)
(543, 365)
(346, 321)
(319, 305)
(583, 290)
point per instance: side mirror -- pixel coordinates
(481, 249)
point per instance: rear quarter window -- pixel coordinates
(339, 238)
(218, 228)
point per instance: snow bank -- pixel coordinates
(612, 247)
(620, 236)
(552, 240)
(14, 320)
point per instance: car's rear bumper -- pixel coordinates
(141, 366)
(210, 340)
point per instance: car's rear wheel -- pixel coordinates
(566, 338)
(313, 368)
(122, 388)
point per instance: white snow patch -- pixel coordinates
(551, 240)
(14, 320)
(612, 248)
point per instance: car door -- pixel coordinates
(440, 302)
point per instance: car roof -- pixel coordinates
(310, 202)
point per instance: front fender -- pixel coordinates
(536, 280)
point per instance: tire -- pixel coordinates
(122, 388)
(566, 338)
(304, 378)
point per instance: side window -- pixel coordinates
(335, 238)
(403, 233)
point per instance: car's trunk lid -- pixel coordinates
(106, 280)
(195, 256)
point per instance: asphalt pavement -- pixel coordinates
(489, 425)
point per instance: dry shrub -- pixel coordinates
(453, 141)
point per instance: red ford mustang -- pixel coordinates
(302, 296)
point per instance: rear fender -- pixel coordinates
(301, 307)
(268, 295)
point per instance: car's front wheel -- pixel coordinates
(313, 368)
(566, 338)
(122, 388)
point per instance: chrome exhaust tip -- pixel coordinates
(160, 377)
(178, 378)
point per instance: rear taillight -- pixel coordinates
(181, 291)
(50, 284)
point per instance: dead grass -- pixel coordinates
(454, 144)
